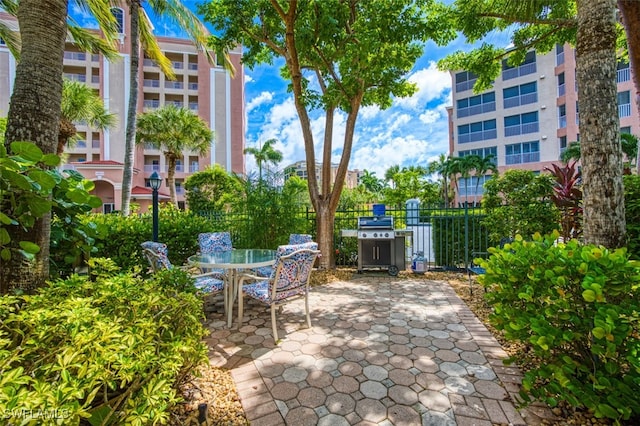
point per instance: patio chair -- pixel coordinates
(266, 271)
(288, 281)
(213, 242)
(157, 255)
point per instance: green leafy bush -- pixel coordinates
(112, 350)
(449, 237)
(578, 308)
(632, 213)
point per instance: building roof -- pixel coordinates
(100, 163)
(144, 191)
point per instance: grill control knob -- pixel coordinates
(375, 235)
(386, 234)
(364, 235)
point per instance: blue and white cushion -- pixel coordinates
(209, 284)
(214, 242)
(162, 254)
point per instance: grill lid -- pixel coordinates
(375, 222)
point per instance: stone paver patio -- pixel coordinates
(382, 351)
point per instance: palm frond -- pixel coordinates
(151, 47)
(89, 41)
(12, 40)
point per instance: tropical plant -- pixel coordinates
(370, 182)
(482, 165)
(571, 153)
(567, 197)
(540, 25)
(174, 130)
(212, 189)
(265, 155)
(390, 173)
(339, 44)
(519, 202)
(441, 167)
(80, 103)
(628, 144)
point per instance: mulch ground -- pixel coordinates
(213, 390)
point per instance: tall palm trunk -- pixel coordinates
(132, 111)
(34, 115)
(604, 220)
(630, 12)
(171, 178)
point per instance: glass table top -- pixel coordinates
(236, 258)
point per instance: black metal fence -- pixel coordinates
(447, 238)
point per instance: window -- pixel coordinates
(625, 129)
(179, 166)
(108, 208)
(482, 152)
(473, 185)
(561, 86)
(476, 104)
(465, 81)
(521, 124)
(479, 131)
(520, 95)
(562, 116)
(563, 144)
(528, 66)
(119, 15)
(624, 104)
(527, 152)
(559, 54)
(622, 73)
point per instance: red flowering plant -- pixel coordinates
(567, 197)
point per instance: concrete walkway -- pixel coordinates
(382, 351)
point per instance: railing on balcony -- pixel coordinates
(521, 129)
(81, 143)
(524, 69)
(195, 167)
(177, 65)
(624, 110)
(562, 121)
(478, 136)
(465, 85)
(179, 168)
(95, 143)
(193, 66)
(151, 104)
(95, 58)
(75, 77)
(173, 85)
(562, 89)
(527, 98)
(148, 82)
(527, 157)
(193, 86)
(177, 104)
(149, 63)
(95, 79)
(623, 75)
(193, 106)
(76, 56)
(149, 168)
(476, 109)
(560, 58)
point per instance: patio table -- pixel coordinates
(233, 261)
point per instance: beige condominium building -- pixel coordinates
(299, 169)
(528, 117)
(208, 90)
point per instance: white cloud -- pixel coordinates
(248, 79)
(430, 116)
(432, 84)
(262, 98)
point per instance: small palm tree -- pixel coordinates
(80, 103)
(173, 130)
(482, 166)
(390, 174)
(264, 155)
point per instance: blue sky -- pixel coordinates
(413, 131)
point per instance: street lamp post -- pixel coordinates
(155, 182)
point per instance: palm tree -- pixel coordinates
(80, 103)
(441, 166)
(174, 130)
(264, 155)
(482, 166)
(141, 33)
(390, 174)
(370, 182)
(571, 153)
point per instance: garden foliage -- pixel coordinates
(632, 213)
(578, 308)
(111, 348)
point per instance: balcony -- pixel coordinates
(624, 110)
(150, 168)
(623, 75)
(82, 78)
(177, 104)
(193, 66)
(149, 63)
(195, 167)
(478, 136)
(173, 85)
(527, 98)
(95, 143)
(147, 82)
(520, 71)
(75, 56)
(476, 109)
(177, 65)
(193, 106)
(562, 89)
(465, 85)
(95, 79)
(151, 104)
(179, 168)
(560, 58)
(193, 86)
(562, 121)
(528, 157)
(521, 129)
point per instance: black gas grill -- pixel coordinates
(377, 244)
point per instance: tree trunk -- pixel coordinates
(132, 111)
(34, 115)
(325, 218)
(601, 153)
(171, 180)
(630, 12)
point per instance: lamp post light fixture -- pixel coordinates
(155, 181)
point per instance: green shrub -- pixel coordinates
(578, 308)
(449, 237)
(112, 350)
(632, 213)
